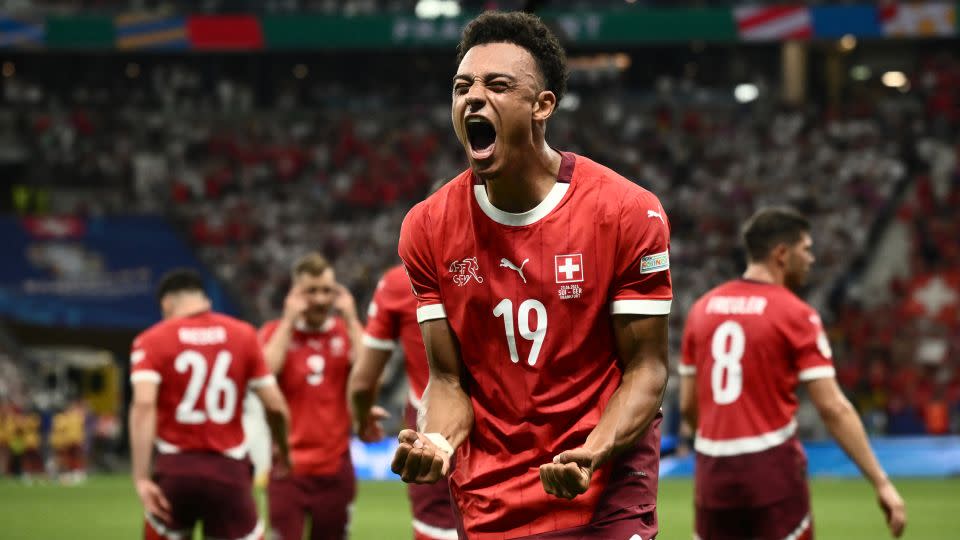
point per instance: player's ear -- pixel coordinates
(544, 106)
(780, 254)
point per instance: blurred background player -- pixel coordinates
(543, 289)
(68, 439)
(190, 373)
(311, 349)
(392, 317)
(746, 346)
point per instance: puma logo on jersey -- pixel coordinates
(655, 214)
(504, 263)
(465, 270)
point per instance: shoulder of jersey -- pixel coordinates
(614, 187)
(233, 322)
(395, 281)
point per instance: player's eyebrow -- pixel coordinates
(485, 76)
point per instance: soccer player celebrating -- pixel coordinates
(543, 292)
(310, 348)
(746, 346)
(189, 374)
(392, 317)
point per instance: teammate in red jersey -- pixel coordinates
(310, 349)
(543, 289)
(189, 374)
(392, 317)
(747, 345)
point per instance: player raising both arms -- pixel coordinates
(310, 349)
(190, 374)
(543, 290)
(747, 345)
(392, 317)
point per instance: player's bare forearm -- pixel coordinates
(355, 331)
(688, 400)
(642, 344)
(277, 414)
(143, 427)
(364, 384)
(844, 424)
(275, 350)
(446, 406)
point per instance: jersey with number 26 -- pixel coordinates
(530, 298)
(203, 364)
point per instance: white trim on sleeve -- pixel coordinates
(414, 400)
(436, 533)
(640, 307)
(745, 445)
(431, 312)
(819, 372)
(145, 375)
(260, 382)
(378, 344)
(686, 369)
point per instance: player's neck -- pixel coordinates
(763, 273)
(189, 306)
(527, 183)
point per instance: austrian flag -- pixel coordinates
(773, 23)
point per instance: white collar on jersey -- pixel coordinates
(529, 217)
(301, 326)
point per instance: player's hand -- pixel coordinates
(154, 501)
(295, 304)
(893, 508)
(569, 474)
(418, 460)
(345, 303)
(282, 464)
(372, 429)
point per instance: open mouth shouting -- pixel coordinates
(481, 136)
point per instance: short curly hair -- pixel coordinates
(524, 30)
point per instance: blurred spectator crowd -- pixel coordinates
(254, 187)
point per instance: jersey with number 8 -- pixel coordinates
(204, 364)
(530, 298)
(749, 345)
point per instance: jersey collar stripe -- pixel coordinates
(745, 445)
(686, 369)
(819, 372)
(525, 218)
(802, 528)
(378, 344)
(640, 307)
(261, 382)
(414, 400)
(431, 312)
(145, 375)
(436, 533)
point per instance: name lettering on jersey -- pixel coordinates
(568, 268)
(137, 356)
(656, 262)
(737, 305)
(465, 270)
(203, 336)
(505, 263)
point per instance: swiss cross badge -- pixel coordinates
(568, 268)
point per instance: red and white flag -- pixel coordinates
(773, 23)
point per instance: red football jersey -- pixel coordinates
(204, 364)
(750, 343)
(393, 316)
(530, 297)
(314, 382)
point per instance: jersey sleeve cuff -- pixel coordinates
(819, 372)
(640, 307)
(378, 344)
(431, 312)
(686, 369)
(260, 382)
(145, 375)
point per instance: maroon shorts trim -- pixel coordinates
(788, 519)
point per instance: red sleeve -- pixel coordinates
(688, 353)
(145, 359)
(642, 276)
(812, 355)
(420, 265)
(383, 322)
(266, 332)
(259, 374)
